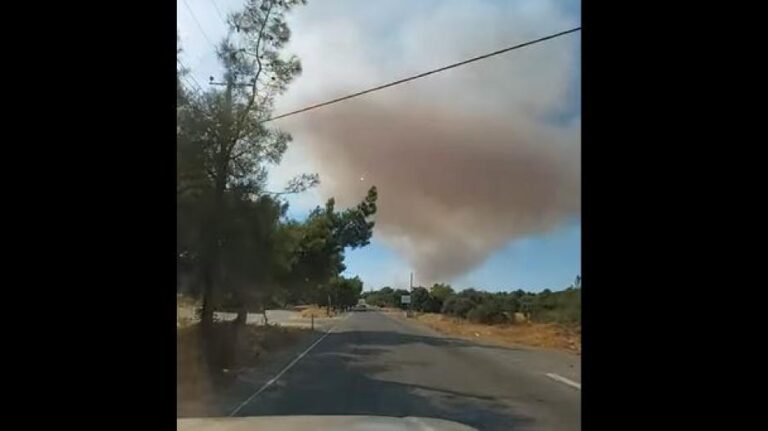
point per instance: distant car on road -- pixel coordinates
(360, 307)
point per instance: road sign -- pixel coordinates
(405, 299)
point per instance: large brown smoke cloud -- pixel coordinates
(464, 161)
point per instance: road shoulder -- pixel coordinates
(245, 381)
(538, 360)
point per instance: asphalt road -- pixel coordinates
(374, 364)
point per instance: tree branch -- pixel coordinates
(285, 192)
(241, 153)
(252, 99)
(239, 165)
(211, 173)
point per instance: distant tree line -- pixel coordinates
(479, 306)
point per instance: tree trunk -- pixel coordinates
(209, 279)
(206, 316)
(210, 266)
(233, 340)
(242, 316)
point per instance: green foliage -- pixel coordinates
(233, 240)
(252, 256)
(227, 228)
(346, 291)
(323, 237)
(423, 300)
(558, 307)
(473, 295)
(353, 227)
(488, 307)
(441, 292)
(397, 298)
(458, 306)
(489, 313)
(438, 294)
(508, 302)
(419, 298)
(384, 297)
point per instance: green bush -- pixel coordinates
(380, 300)
(488, 313)
(488, 307)
(558, 307)
(420, 299)
(457, 306)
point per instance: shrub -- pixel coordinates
(488, 313)
(457, 306)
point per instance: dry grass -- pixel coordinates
(207, 365)
(545, 335)
(185, 311)
(187, 301)
(315, 310)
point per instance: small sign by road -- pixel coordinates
(405, 299)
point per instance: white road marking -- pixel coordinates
(287, 367)
(562, 379)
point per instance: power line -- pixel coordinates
(198, 24)
(193, 88)
(199, 87)
(421, 75)
(191, 76)
(218, 12)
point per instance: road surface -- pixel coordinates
(374, 364)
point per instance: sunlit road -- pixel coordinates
(374, 364)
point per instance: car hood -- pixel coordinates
(319, 423)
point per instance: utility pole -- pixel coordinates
(410, 292)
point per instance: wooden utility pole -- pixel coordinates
(410, 293)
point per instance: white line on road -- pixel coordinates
(562, 379)
(287, 367)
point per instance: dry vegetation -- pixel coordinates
(185, 311)
(308, 311)
(200, 375)
(545, 335)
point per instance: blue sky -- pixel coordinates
(347, 45)
(549, 261)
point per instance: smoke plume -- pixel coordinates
(465, 161)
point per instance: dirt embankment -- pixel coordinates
(308, 311)
(544, 335)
